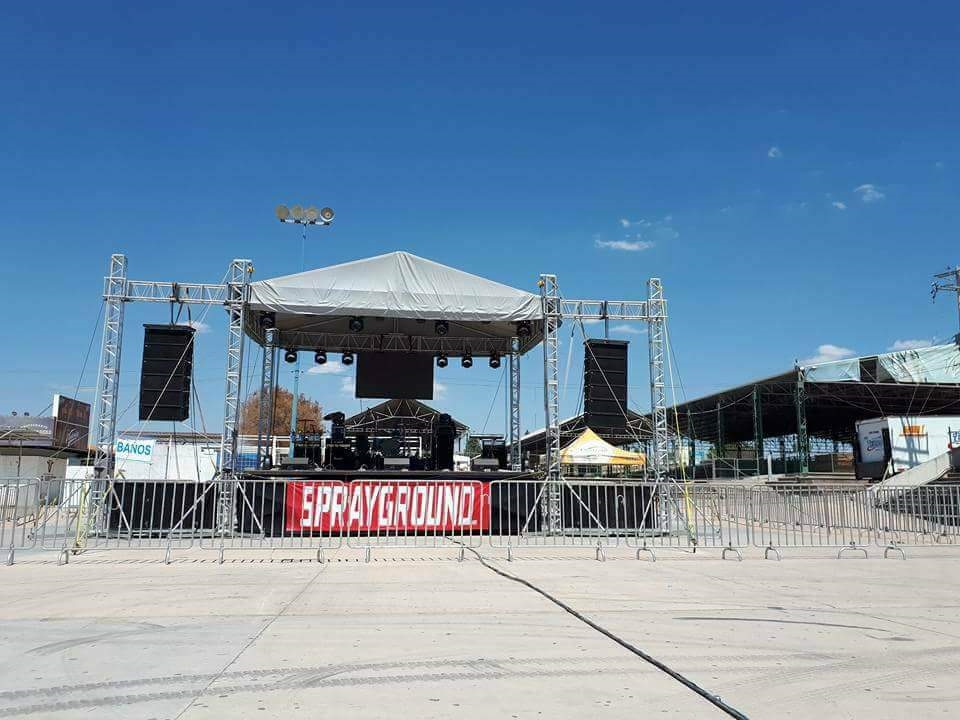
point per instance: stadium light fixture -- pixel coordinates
(290, 356)
(524, 329)
(347, 358)
(356, 324)
(441, 327)
(467, 360)
(495, 361)
(442, 360)
(320, 357)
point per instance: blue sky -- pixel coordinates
(789, 171)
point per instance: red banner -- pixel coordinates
(387, 506)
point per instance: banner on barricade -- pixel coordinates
(387, 506)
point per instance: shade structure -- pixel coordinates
(399, 298)
(591, 449)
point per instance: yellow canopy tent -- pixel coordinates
(591, 449)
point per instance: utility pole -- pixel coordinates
(948, 281)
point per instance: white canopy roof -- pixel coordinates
(395, 294)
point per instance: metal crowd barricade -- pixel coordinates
(581, 512)
(273, 515)
(124, 513)
(813, 516)
(420, 514)
(686, 515)
(925, 515)
(20, 500)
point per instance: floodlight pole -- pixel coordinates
(299, 218)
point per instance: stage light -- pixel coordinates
(442, 360)
(495, 361)
(326, 214)
(290, 356)
(467, 360)
(524, 329)
(441, 327)
(312, 214)
(297, 212)
(268, 320)
(347, 358)
(283, 212)
(320, 357)
(356, 324)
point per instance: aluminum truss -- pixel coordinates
(656, 318)
(268, 382)
(358, 342)
(516, 458)
(653, 311)
(236, 302)
(114, 298)
(552, 315)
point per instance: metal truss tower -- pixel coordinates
(656, 318)
(552, 314)
(114, 299)
(268, 381)
(516, 459)
(235, 301)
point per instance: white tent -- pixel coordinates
(396, 294)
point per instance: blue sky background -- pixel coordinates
(789, 171)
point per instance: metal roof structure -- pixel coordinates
(411, 417)
(825, 400)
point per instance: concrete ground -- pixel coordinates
(415, 633)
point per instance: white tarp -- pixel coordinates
(937, 364)
(398, 285)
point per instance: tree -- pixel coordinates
(309, 413)
(473, 447)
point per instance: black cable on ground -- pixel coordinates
(702, 692)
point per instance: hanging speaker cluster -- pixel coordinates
(165, 372)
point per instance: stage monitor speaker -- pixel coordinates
(165, 372)
(605, 385)
(444, 433)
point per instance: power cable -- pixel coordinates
(663, 667)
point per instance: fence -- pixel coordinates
(48, 514)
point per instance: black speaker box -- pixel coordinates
(605, 384)
(165, 372)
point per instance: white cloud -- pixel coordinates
(625, 223)
(200, 327)
(628, 329)
(774, 152)
(827, 353)
(439, 390)
(628, 245)
(869, 193)
(909, 345)
(348, 385)
(839, 205)
(331, 367)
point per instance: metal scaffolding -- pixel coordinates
(656, 318)
(114, 299)
(516, 458)
(234, 294)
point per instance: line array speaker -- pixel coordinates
(605, 384)
(165, 372)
